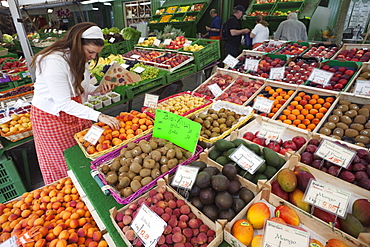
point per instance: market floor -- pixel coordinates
(187, 84)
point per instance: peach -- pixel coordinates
(73, 238)
(97, 236)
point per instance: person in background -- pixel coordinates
(234, 31)
(260, 31)
(214, 30)
(291, 29)
(61, 88)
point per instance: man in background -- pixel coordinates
(291, 29)
(213, 31)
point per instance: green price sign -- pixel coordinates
(179, 130)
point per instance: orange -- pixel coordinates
(300, 117)
(296, 112)
(242, 230)
(257, 214)
(321, 101)
(315, 96)
(268, 88)
(279, 90)
(308, 106)
(317, 106)
(287, 121)
(292, 117)
(257, 241)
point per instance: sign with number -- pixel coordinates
(151, 100)
(230, 61)
(187, 43)
(167, 41)
(35, 40)
(263, 105)
(278, 235)
(111, 40)
(320, 76)
(10, 242)
(246, 159)
(277, 73)
(135, 56)
(93, 134)
(185, 177)
(141, 40)
(271, 131)
(362, 87)
(335, 153)
(215, 89)
(251, 64)
(125, 66)
(148, 226)
(327, 197)
(139, 70)
(157, 42)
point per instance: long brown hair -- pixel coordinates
(71, 43)
(261, 20)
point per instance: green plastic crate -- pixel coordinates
(285, 7)
(210, 53)
(11, 185)
(131, 44)
(207, 59)
(22, 82)
(6, 86)
(181, 73)
(147, 85)
(266, 7)
(107, 50)
(121, 47)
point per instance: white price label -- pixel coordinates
(271, 131)
(188, 43)
(185, 177)
(111, 40)
(60, 31)
(215, 89)
(54, 30)
(111, 33)
(139, 69)
(327, 197)
(230, 61)
(148, 226)
(246, 159)
(26, 74)
(10, 103)
(277, 73)
(263, 105)
(35, 40)
(93, 134)
(251, 64)
(320, 76)
(157, 42)
(45, 30)
(5, 119)
(125, 66)
(141, 40)
(10, 242)
(49, 31)
(135, 56)
(277, 235)
(167, 41)
(151, 100)
(362, 87)
(335, 153)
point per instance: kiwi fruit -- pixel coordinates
(325, 131)
(334, 119)
(360, 119)
(351, 113)
(338, 112)
(364, 112)
(362, 139)
(342, 126)
(111, 178)
(354, 107)
(338, 132)
(357, 126)
(344, 102)
(351, 133)
(346, 119)
(343, 108)
(330, 125)
(365, 132)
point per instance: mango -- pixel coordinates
(303, 179)
(335, 243)
(351, 225)
(287, 179)
(361, 210)
(315, 243)
(277, 190)
(287, 214)
(242, 230)
(257, 241)
(257, 214)
(326, 216)
(296, 198)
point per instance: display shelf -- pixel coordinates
(136, 12)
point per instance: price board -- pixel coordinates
(151, 100)
(271, 131)
(251, 64)
(335, 153)
(320, 76)
(230, 61)
(167, 41)
(93, 134)
(246, 159)
(135, 56)
(111, 40)
(277, 73)
(187, 43)
(141, 40)
(139, 70)
(185, 177)
(157, 42)
(263, 105)
(362, 87)
(215, 89)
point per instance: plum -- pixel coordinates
(362, 153)
(311, 148)
(316, 164)
(347, 176)
(359, 167)
(314, 142)
(361, 174)
(334, 170)
(364, 183)
(307, 158)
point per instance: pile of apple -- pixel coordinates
(240, 65)
(269, 47)
(257, 12)
(177, 43)
(241, 91)
(197, 7)
(282, 13)
(222, 80)
(293, 49)
(298, 72)
(342, 75)
(183, 228)
(322, 51)
(59, 214)
(265, 65)
(280, 147)
(355, 55)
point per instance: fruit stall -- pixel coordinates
(276, 144)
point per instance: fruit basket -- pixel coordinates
(109, 159)
(172, 102)
(269, 61)
(231, 122)
(113, 139)
(322, 51)
(223, 78)
(348, 121)
(282, 9)
(201, 224)
(259, 9)
(189, 17)
(177, 17)
(183, 9)
(171, 10)
(165, 18)
(354, 53)
(15, 93)
(197, 7)
(246, 54)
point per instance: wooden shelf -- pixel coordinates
(140, 9)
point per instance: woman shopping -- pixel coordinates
(62, 86)
(260, 32)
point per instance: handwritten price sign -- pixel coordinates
(251, 64)
(335, 153)
(93, 134)
(320, 76)
(263, 105)
(148, 226)
(271, 131)
(151, 100)
(246, 159)
(327, 197)
(185, 177)
(277, 73)
(362, 87)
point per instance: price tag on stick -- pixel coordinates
(215, 89)
(246, 159)
(176, 129)
(278, 235)
(263, 105)
(335, 153)
(230, 61)
(320, 76)
(251, 64)
(111, 40)
(135, 56)
(139, 69)
(141, 40)
(271, 131)
(187, 43)
(327, 197)
(167, 41)
(362, 87)
(148, 226)
(185, 177)
(277, 73)
(10, 242)
(93, 134)
(151, 100)
(157, 42)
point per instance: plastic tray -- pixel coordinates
(181, 73)
(98, 162)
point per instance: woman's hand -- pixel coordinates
(104, 88)
(110, 121)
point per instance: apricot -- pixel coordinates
(40, 243)
(73, 238)
(57, 230)
(62, 243)
(103, 243)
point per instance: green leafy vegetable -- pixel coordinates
(130, 33)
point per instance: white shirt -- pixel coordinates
(261, 33)
(53, 89)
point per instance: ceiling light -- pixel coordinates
(87, 2)
(108, 4)
(50, 11)
(95, 8)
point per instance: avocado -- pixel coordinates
(255, 148)
(246, 195)
(238, 205)
(237, 142)
(197, 203)
(271, 157)
(214, 154)
(223, 145)
(259, 177)
(246, 175)
(211, 170)
(261, 169)
(229, 152)
(229, 171)
(234, 187)
(220, 182)
(227, 214)
(199, 164)
(203, 179)
(207, 196)
(222, 160)
(223, 200)
(270, 171)
(211, 211)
